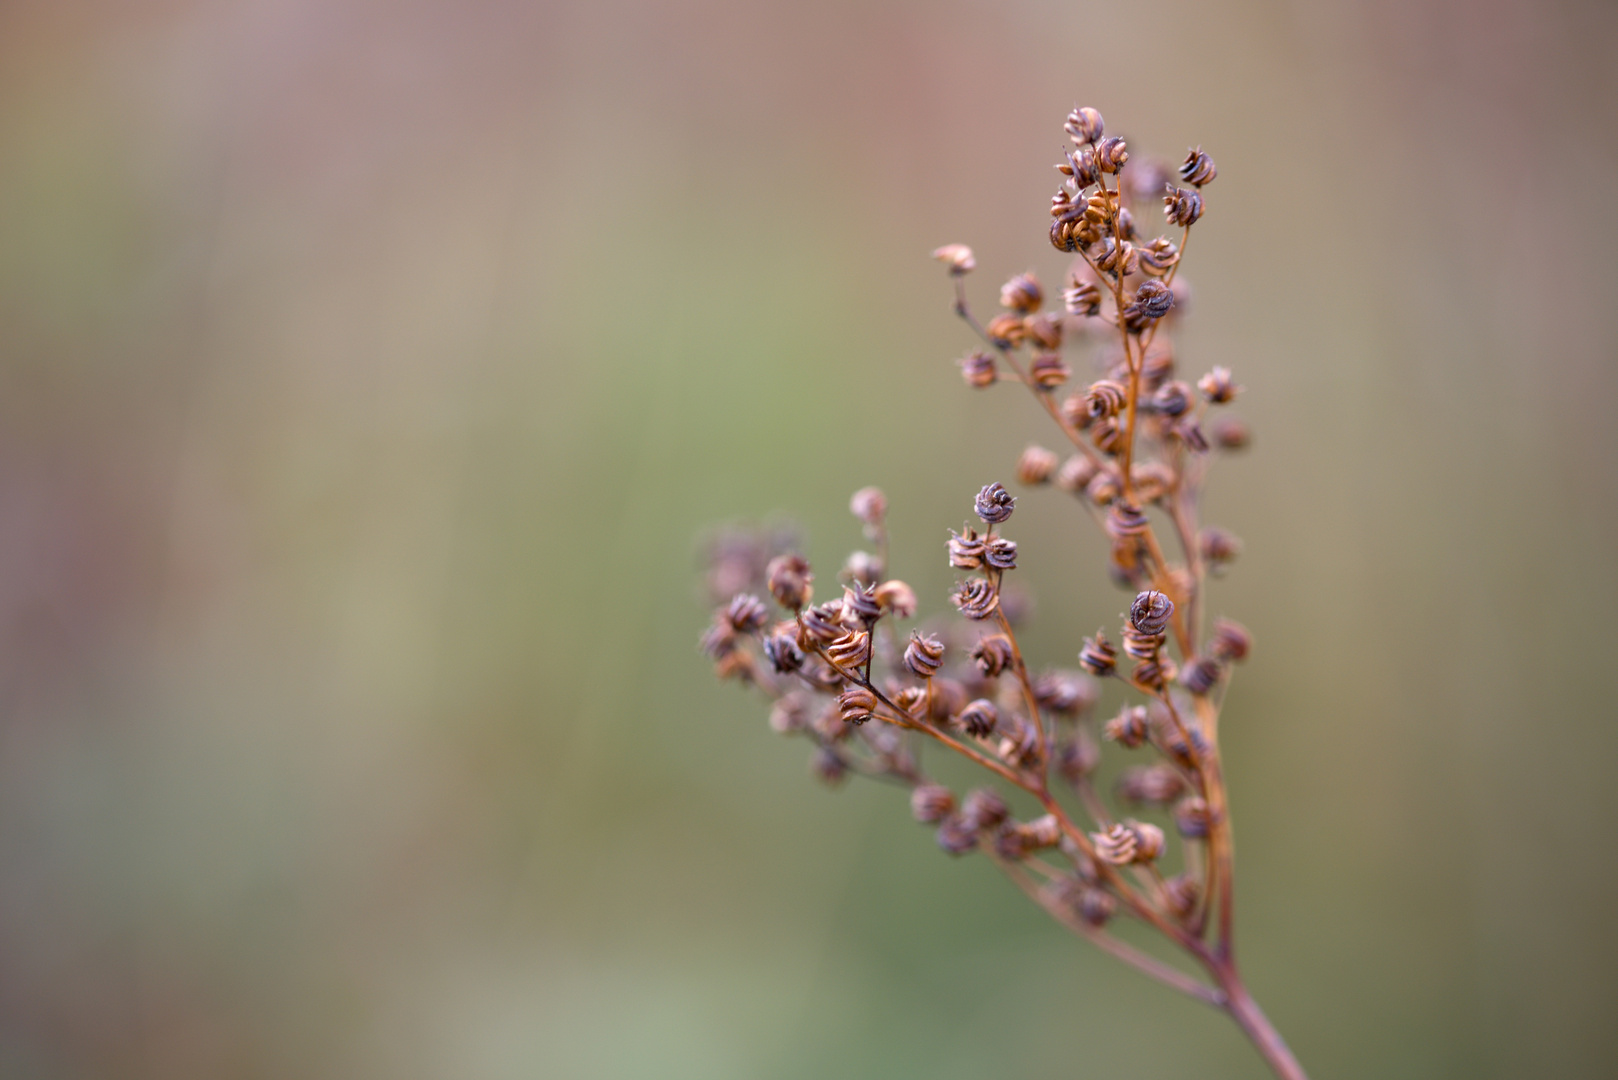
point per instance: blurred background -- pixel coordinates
(371, 373)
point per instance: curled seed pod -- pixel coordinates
(1064, 235)
(1084, 125)
(856, 705)
(1125, 521)
(958, 258)
(955, 836)
(1000, 553)
(1045, 330)
(1184, 747)
(1159, 257)
(1172, 398)
(1035, 466)
(1020, 746)
(976, 598)
(1098, 657)
(1158, 785)
(860, 602)
(783, 652)
(1198, 168)
(911, 700)
(1126, 225)
(1151, 480)
(738, 664)
(1096, 906)
(1065, 693)
(1117, 258)
(983, 808)
(1100, 207)
(1077, 757)
(719, 640)
(862, 567)
(1231, 641)
(949, 698)
(1082, 297)
(1048, 371)
(1019, 839)
(1192, 817)
(978, 369)
(850, 651)
(1217, 545)
(1075, 412)
(869, 505)
(828, 766)
(823, 623)
(1151, 611)
(1189, 432)
(931, 803)
(1006, 331)
(1181, 207)
(789, 577)
(1154, 673)
(1141, 645)
(965, 549)
(1105, 399)
(980, 718)
(994, 504)
(746, 613)
(1151, 301)
(790, 713)
(1102, 488)
(1218, 387)
(1201, 674)
(1111, 154)
(1119, 845)
(1075, 474)
(1081, 166)
(1022, 293)
(1180, 895)
(830, 725)
(924, 655)
(896, 598)
(992, 654)
(1130, 728)
(1229, 433)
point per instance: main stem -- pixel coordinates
(1251, 1019)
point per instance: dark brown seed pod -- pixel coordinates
(1075, 412)
(1044, 330)
(896, 598)
(1065, 693)
(1184, 747)
(1198, 168)
(976, 598)
(1157, 785)
(1077, 757)
(1006, 331)
(1130, 728)
(829, 766)
(1125, 521)
(1172, 398)
(1229, 433)
(783, 652)
(823, 623)
(1000, 553)
(789, 577)
(1096, 906)
(911, 700)
(955, 836)
(1141, 645)
(1042, 832)
(1084, 125)
(992, 654)
(1126, 226)
(851, 651)
(1102, 489)
(1151, 611)
(1218, 546)
(1154, 673)
(931, 803)
(983, 808)
(978, 369)
(1116, 258)
(1080, 166)
(1111, 154)
(1192, 818)
(1182, 207)
(856, 705)
(1035, 466)
(1022, 293)
(1230, 641)
(860, 602)
(1048, 371)
(965, 549)
(957, 258)
(994, 503)
(1159, 257)
(1064, 234)
(924, 655)
(1098, 657)
(1101, 207)
(1075, 474)
(1180, 895)
(1201, 674)
(1020, 745)
(1105, 399)
(979, 718)
(746, 613)
(1151, 301)
(949, 698)
(1082, 297)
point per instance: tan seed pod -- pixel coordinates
(1035, 466)
(958, 258)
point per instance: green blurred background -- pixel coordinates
(369, 374)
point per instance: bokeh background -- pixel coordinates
(371, 371)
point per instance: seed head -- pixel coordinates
(1152, 301)
(1102, 489)
(1172, 398)
(965, 549)
(746, 613)
(1230, 433)
(1129, 728)
(1022, 293)
(1085, 125)
(1231, 641)
(924, 655)
(1125, 521)
(1180, 895)
(1098, 657)
(978, 369)
(1075, 474)
(1159, 257)
(992, 654)
(1141, 645)
(1218, 546)
(930, 803)
(1155, 784)
(1116, 258)
(788, 577)
(980, 718)
(1182, 207)
(1151, 480)
(860, 603)
(856, 705)
(1065, 693)
(957, 257)
(1044, 330)
(1198, 168)
(1077, 757)
(1201, 674)
(1035, 466)
(1096, 906)
(1000, 553)
(1218, 387)
(823, 623)
(1048, 371)
(1105, 399)
(869, 505)
(1151, 611)
(719, 640)
(1006, 331)
(1129, 842)
(862, 567)
(896, 598)
(1082, 297)
(851, 651)
(994, 504)
(783, 652)
(1192, 817)
(955, 836)
(1111, 154)
(829, 766)
(976, 597)
(983, 808)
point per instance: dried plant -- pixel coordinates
(1141, 442)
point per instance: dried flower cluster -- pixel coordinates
(1140, 443)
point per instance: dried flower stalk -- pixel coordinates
(1138, 464)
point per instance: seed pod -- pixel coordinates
(1218, 387)
(1048, 371)
(949, 698)
(789, 577)
(1158, 785)
(1129, 842)
(862, 567)
(992, 654)
(965, 549)
(1098, 657)
(851, 651)
(1192, 817)
(924, 655)
(869, 505)
(1151, 611)
(719, 640)
(1159, 257)
(1158, 365)
(1151, 301)
(1024, 838)
(896, 598)
(1125, 521)
(1105, 399)
(1077, 757)
(1151, 480)
(1035, 466)
(955, 836)
(976, 598)
(957, 257)
(910, 700)
(1084, 125)
(860, 602)
(1126, 226)
(978, 369)
(823, 623)
(1065, 693)
(783, 652)
(1229, 433)
(1101, 207)
(1064, 234)
(1076, 472)
(1198, 168)
(856, 705)
(1172, 398)
(1153, 673)
(829, 767)
(1218, 545)
(1201, 675)
(1080, 165)
(1022, 293)
(1111, 154)
(1006, 331)
(790, 713)
(1082, 297)
(983, 808)
(994, 504)
(1044, 330)
(1096, 906)
(1020, 746)
(1116, 258)
(980, 718)
(1181, 207)
(1102, 489)
(1129, 728)
(1180, 895)
(746, 613)
(930, 803)
(1231, 641)
(1141, 645)
(1189, 432)
(1000, 553)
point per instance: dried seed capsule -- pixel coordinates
(790, 712)
(860, 602)
(1006, 331)
(910, 700)
(956, 836)
(1048, 371)
(823, 623)
(1065, 693)
(1125, 521)
(1231, 641)
(1000, 553)
(930, 803)
(1151, 480)
(1077, 757)
(1082, 297)
(1189, 432)
(924, 655)
(1201, 674)
(719, 640)
(1075, 411)
(1151, 611)
(1182, 207)
(983, 808)
(1096, 906)
(1129, 842)
(980, 718)
(1021, 743)
(896, 598)
(783, 653)
(1075, 474)
(1198, 168)
(829, 767)
(1218, 545)
(1084, 125)
(746, 613)
(1229, 433)
(1111, 154)
(851, 651)
(869, 505)
(1044, 330)
(1035, 465)
(1064, 234)
(1159, 257)
(1141, 645)
(1155, 784)
(1158, 365)
(949, 698)
(1022, 293)
(1153, 673)
(1105, 398)
(789, 577)
(1126, 225)
(994, 504)
(1042, 832)
(1180, 895)
(1129, 728)
(1116, 258)
(1098, 657)
(1218, 387)
(856, 705)
(862, 567)
(1081, 166)
(992, 654)
(965, 549)
(1192, 817)
(1102, 489)
(1151, 301)
(957, 257)
(978, 369)
(1172, 398)
(976, 598)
